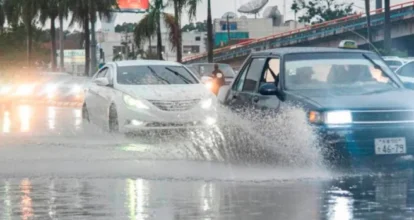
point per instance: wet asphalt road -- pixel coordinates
(52, 166)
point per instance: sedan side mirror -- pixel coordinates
(101, 81)
(271, 89)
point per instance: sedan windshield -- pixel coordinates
(154, 75)
(338, 73)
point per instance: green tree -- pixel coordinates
(63, 14)
(197, 26)
(125, 27)
(317, 11)
(23, 12)
(150, 25)
(13, 45)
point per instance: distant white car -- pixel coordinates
(130, 96)
(394, 62)
(406, 72)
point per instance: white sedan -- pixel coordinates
(129, 96)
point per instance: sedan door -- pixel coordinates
(103, 97)
(92, 95)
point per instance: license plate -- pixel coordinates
(390, 146)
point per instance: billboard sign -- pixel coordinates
(133, 5)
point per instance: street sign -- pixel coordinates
(133, 5)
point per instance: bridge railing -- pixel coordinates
(299, 30)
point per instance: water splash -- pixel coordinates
(282, 137)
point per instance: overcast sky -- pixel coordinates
(219, 7)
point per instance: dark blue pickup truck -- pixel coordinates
(358, 105)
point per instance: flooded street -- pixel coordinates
(52, 166)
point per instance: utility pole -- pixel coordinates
(209, 33)
(61, 46)
(228, 29)
(367, 11)
(387, 27)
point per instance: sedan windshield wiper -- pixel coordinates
(377, 66)
(179, 75)
(158, 76)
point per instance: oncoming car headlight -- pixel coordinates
(76, 89)
(25, 90)
(134, 102)
(330, 117)
(206, 104)
(5, 90)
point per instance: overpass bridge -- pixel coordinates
(328, 33)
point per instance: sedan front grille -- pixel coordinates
(383, 116)
(175, 105)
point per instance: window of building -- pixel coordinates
(191, 49)
(232, 25)
(197, 38)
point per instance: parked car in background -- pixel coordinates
(406, 72)
(394, 62)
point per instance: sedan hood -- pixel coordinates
(167, 92)
(395, 99)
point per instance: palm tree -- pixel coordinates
(80, 16)
(104, 9)
(150, 25)
(178, 8)
(23, 11)
(2, 16)
(63, 11)
(85, 12)
(49, 10)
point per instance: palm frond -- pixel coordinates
(192, 8)
(145, 29)
(169, 21)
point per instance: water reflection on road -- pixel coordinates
(54, 167)
(354, 198)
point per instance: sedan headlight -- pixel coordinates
(76, 89)
(330, 117)
(134, 102)
(206, 104)
(51, 88)
(5, 90)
